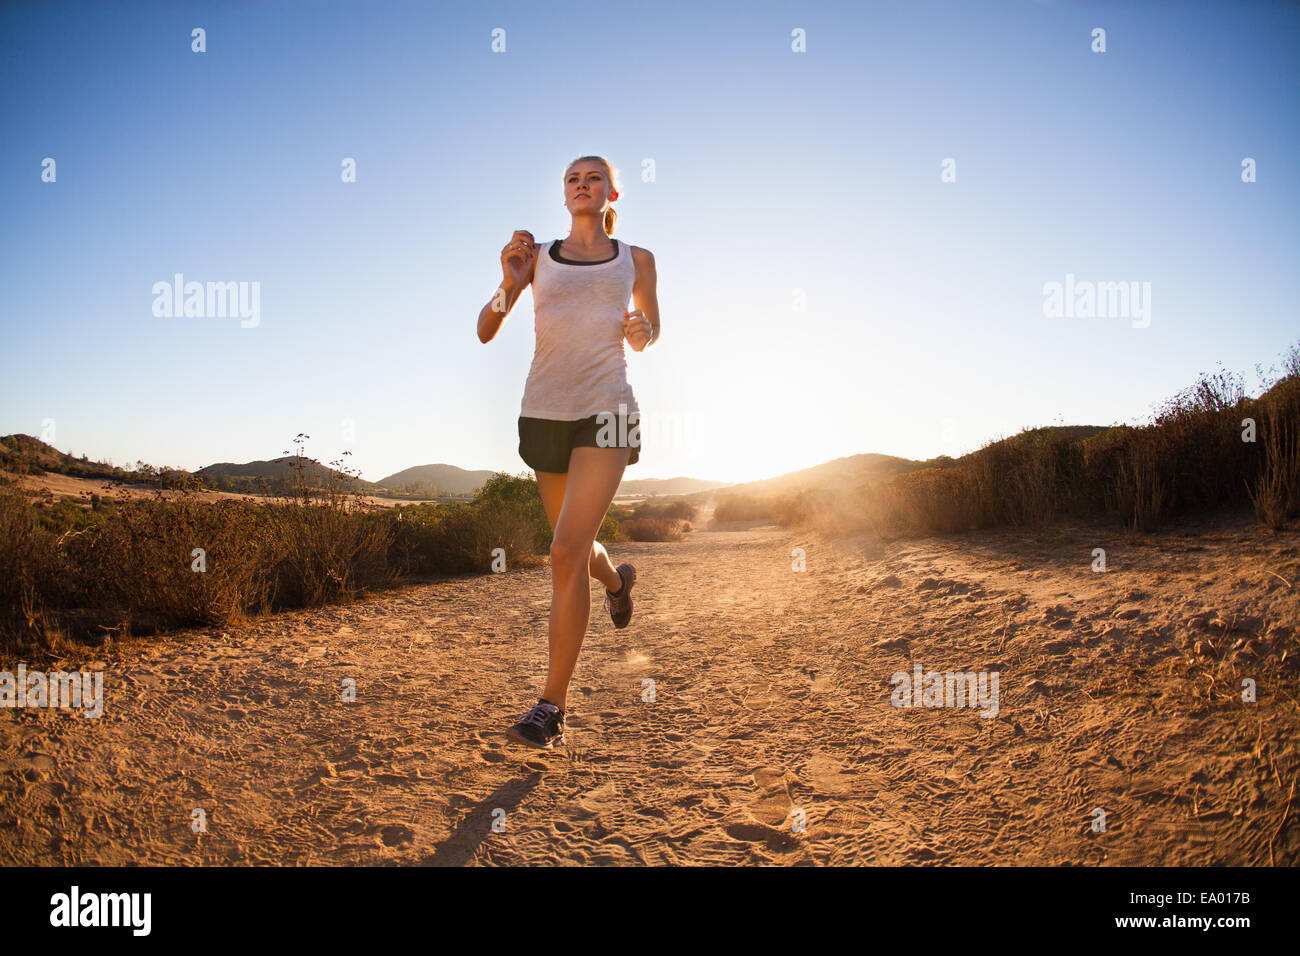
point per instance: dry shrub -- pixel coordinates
(675, 508)
(468, 538)
(1190, 458)
(1275, 493)
(322, 554)
(737, 507)
(655, 529)
(133, 566)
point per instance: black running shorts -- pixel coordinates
(545, 443)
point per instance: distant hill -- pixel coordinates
(230, 476)
(848, 471)
(447, 479)
(667, 486)
(25, 455)
(855, 470)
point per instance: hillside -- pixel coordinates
(25, 455)
(230, 476)
(447, 479)
(849, 471)
(668, 486)
(854, 470)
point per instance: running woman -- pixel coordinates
(579, 420)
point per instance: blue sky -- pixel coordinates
(780, 179)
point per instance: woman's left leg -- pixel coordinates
(594, 474)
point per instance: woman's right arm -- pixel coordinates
(517, 263)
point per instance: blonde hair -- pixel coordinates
(611, 176)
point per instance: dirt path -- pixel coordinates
(772, 700)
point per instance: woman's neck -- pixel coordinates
(587, 234)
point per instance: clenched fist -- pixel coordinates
(637, 329)
(517, 257)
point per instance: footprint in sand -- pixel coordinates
(751, 832)
(772, 806)
(229, 712)
(32, 766)
(392, 835)
(600, 800)
(827, 775)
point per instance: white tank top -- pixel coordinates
(579, 368)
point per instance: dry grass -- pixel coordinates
(656, 529)
(73, 578)
(674, 508)
(1276, 492)
(1193, 456)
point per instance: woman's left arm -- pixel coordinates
(646, 299)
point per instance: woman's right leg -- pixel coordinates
(593, 479)
(551, 484)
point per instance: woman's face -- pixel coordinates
(586, 188)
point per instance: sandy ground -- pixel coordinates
(1118, 691)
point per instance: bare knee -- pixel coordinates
(568, 557)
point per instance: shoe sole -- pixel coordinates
(631, 582)
(521, 739)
